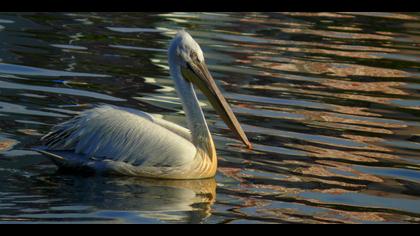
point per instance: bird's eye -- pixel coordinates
(193, 56)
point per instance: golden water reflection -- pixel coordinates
(329, 100)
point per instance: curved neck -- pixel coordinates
(196, 120)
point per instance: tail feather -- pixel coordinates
(58, 160)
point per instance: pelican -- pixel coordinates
(123, 141)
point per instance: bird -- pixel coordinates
(117, 140)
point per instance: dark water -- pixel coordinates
(330, 100)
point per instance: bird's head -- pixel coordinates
(186, 54)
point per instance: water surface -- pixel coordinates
(330, 101)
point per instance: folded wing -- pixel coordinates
(126, 135)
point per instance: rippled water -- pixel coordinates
(330, 100)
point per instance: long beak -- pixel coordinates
(198, 74)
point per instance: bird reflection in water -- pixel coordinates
(187, 201)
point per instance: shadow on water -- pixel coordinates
(329, 100)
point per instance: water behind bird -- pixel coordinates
(329, 100)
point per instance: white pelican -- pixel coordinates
(131, 142)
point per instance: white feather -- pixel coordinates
(125, 135)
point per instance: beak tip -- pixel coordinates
(249, 146)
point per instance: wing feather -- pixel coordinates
(121, 134)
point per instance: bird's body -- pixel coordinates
(125, 141)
